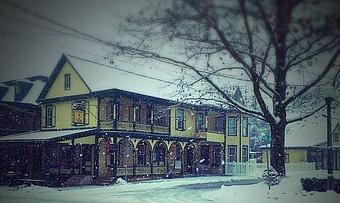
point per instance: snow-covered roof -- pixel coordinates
(41, 135)
(28, 89)
(99, 77)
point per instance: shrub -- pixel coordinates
(336, 185)
(272, 177)
(320, 185)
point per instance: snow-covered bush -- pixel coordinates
(120, 181)
(272, 177)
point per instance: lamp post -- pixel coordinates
(329, 101)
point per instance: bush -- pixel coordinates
(271, 178)
(320, 185)
(336, 185)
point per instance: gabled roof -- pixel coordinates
(99, 77)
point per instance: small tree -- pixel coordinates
(285, 49)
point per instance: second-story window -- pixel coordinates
(232, 125)
(219, 124)
(200, 124)
(149, 114)
(161, 116)
(137, 114)
(67, 81)
(180, 119)
(245, 126)
(50, 116)
(79, 113)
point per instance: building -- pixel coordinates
(308, 143)
(99, 124)
(19, 111)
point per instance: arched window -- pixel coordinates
(143, 153)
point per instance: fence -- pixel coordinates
(257, 168)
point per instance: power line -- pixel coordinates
(103, 42)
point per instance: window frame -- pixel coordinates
(141, 154)
(51, 117)
(67, 81)
(200, 126)
(85, 106)
(230, 155)
(219, 120)
(245, 155)
(229, 126)
(217, 158)
(180, 120)
(245, 128)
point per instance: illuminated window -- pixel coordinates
(80, 113)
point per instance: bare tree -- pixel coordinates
(286, 49)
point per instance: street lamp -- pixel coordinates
(328, 93)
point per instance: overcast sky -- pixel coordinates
(27, 50)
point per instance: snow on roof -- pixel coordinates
(34, 92)
(99, 77)
(29, 89)
(40, 135)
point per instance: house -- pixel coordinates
(19, 111)
(308, 143)
(99, 124)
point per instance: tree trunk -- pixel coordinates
(277, 154)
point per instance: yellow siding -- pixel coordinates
(64, 114)
(295, 155)
(77, 85)
(189, 123)
(215, 137)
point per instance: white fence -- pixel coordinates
(257, 168)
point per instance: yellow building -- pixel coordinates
(312, 149)
(95, 126)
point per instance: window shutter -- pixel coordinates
(43, 116)
(54, 116)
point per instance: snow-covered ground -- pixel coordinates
(175, 190)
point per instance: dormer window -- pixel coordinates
(67, 81)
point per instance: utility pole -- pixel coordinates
(329, 101)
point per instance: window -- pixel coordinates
(245, 126)
(245, 153)
(137, 114)
(204, 155)
(50, 116)
(106, 110)
(219, 124)
(80, 113)
(286, 158)
(217, 156)
(200, 124)
(141, 155)
(149, 114)
(180, 119)
(232, 125)
(232, 153)
(67, 81)
(161, 116)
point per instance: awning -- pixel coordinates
(47, 135)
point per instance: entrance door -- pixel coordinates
(190, 157)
